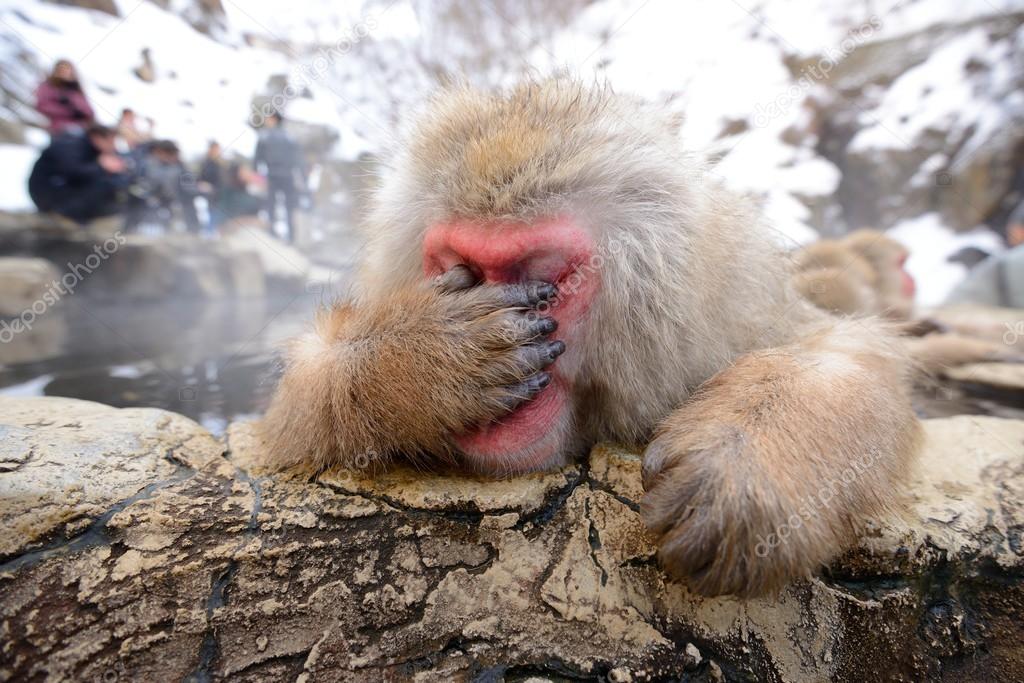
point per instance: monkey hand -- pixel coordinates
(704, 520)
(744, 496)
(940, 351)
(489, 353)
(719, 514)
(407, 373)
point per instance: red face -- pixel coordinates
(554, 250)
(907, 282)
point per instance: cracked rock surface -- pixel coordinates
(137, 547)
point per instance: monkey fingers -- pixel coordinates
(511, 330)
(524, 377)
(511, 397)
(537, 356)
(456, 279)
(521, 294)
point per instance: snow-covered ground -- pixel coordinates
(16, 162)
(202, 89)
(930, 244)
(726, 66)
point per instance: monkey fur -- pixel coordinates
(678, 329)
(862, 274)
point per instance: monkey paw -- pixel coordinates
(503, 335)
(724, 521)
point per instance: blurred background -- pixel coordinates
(198, 167)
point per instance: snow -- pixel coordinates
(17, 161)
(203, 90)
(930, 244)
(805, 27)
(358, 65)
(33, 387)
(934, 95)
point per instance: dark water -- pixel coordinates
(214, 362)
(217, 362)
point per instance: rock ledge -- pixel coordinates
(137, 547)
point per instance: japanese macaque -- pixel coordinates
(864, 273)
(546, 270)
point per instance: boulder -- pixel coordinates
(23, 282)
(139, 552)
(101, 262)
(285, 266)
(27, 340)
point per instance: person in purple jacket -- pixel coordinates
(60, 99)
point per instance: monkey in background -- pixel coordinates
(861, 274)
(864, 274)
(546, 270)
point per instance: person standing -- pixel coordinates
(279, 158)
(170, 183)
(212, 174)
(60, 99)
(78, 176)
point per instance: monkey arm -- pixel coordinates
(776, 462)
(936, 352)
(402, 375)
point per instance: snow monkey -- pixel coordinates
(864, 273)
(545, 271)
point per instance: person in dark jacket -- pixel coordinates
(236, 201)
(279, 158)
(212, 176)
(165, 185)
(212, 171)
(60, 99)
(78, 175)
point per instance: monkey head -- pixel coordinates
(560, 183)
(888, 258)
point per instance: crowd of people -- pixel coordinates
(92, 170)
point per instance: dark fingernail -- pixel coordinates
(543, 379)
(556, 348)
(547, 325)
(546, 291)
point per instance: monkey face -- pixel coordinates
(547, 183)
(499, 252)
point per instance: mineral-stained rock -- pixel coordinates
(64, 463)
(193, 565)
